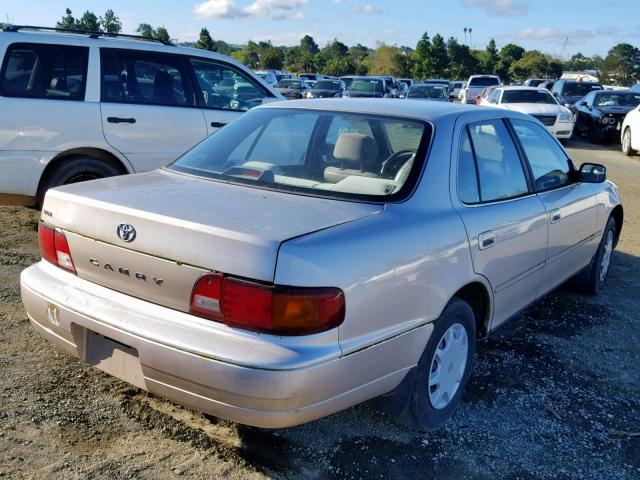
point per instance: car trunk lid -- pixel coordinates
(184, 227)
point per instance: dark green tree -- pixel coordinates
(491, 58)
(145, 30)
(67, 22)
(437, 60)
(308, 45)
(162, 34)
(420, 57)
(205, 41)
(622, 65)
(509, 54)
(88, 21)
(110, 23)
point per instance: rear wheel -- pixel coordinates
(444, 369)
(626, 143)
(74, 170)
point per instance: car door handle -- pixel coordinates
(217, 124)
(487, 239)
(555, 216)
(120, 120)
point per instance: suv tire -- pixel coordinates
(73, 170)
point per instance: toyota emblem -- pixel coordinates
(126, 232)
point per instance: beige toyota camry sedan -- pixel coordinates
(316, 254)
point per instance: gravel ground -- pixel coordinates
(555, 394)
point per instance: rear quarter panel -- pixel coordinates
(398, 269)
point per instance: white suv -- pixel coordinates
(78, 106)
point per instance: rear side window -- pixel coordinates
(144, 78)
(497, 163)
(54, 72)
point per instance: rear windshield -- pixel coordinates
(332, 154)
(327, 85)
(427, 91)
(579, 89)
(367, 86)
(484, 82)
(295, 84)
(527, 96)
(617, 100)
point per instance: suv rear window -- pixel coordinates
(55, 72)
(323, 153)
(483, 82)
(575, 89)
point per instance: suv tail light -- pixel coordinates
(54, 247)
(267, 308)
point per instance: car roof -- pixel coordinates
(517, 87)
(83, 40)
(415, 109)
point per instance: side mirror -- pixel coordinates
(592, 173)
(582, 104)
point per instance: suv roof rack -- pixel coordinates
(90, 33)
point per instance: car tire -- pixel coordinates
(455, 328)
(74, 170)
(626, 143)
(592, 278)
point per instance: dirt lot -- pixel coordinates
(555, 394)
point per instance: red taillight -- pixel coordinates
(267, 308)
(54, 247)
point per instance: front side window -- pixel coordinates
(499, 169)
(550, 165)
(53, 72)
(144, 78)
(331, 154)
(225, 88)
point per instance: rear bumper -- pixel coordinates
(306, 384)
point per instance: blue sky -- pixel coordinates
(591, 26)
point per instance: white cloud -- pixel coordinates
(553, 34)
(505, 8)
(366, 9)
(276, 9)
(268, 7)
(218, 9)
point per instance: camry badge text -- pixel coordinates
(126, 272)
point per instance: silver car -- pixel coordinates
(315, 254)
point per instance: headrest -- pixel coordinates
(355, 150)
(58, 83)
